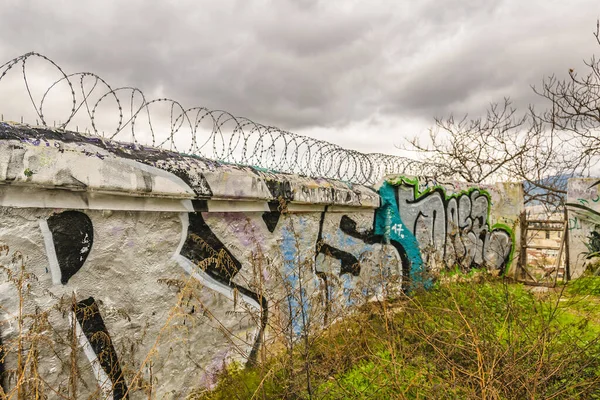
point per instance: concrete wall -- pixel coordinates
(150, 270)
(458, 223)
(584, 223)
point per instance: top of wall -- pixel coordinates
(506, 198)
(583, 197)
(91, 169)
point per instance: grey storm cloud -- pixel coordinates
(309, 64)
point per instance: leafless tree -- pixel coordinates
(542, 149)
(475, 150)
(575, 109)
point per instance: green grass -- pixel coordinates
(588, 285)
(460, 340)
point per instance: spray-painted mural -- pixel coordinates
(583, 207)
(454, 228)
(156, 269)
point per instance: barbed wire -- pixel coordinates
(214, 134)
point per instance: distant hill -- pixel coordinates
(557, 181)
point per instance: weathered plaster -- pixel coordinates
(187, 264)
(583, 208)
(42, 158)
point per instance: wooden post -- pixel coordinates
(567, 276)
(560, 253)
(522, 267)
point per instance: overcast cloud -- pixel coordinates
(363, 74)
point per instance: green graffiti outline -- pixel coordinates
(418, 194)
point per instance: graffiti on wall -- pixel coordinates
(326, 261)
(453, 229)
(317, 251)
(593, 243)
(349, 253)
(68, 238)
(584, 221)
(202, 245)
(98, 347)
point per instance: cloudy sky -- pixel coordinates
(363, 74)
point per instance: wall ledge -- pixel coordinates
(57, 166)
